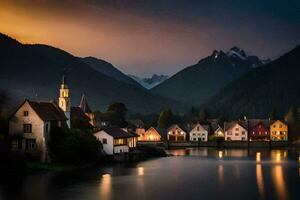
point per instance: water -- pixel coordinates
(191, 174)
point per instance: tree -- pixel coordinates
(116, 114)
(203, 116)
(74, 146)
(166, 118)
(192, 115)
(273, 114)
(293, 121)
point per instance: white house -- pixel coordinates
(30, 126)
(116, 140)
(236, 131)
(199, 133)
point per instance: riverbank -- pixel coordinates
(222, 144)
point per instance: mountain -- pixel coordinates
(199, 82)
(34, 71)
(151, 82)
(272, 87)
(109, 70)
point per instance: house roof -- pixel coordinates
(47, 111)
(254, 122)
(229, 125)
(138, 123)
(84, 105)
(161, 131)
(78, 115)
(116, 132)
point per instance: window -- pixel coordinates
(47, 128)
(237, 129)
(236, 134)
(16, 144)
(229, 133)
(104, 141)
(27, 128)
(26, 113)
(243, 138)
(228, 138)
(243, 132)
(30, 144)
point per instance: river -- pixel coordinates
(204, 173)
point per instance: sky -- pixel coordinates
(143, 37)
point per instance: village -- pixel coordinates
(33, 121)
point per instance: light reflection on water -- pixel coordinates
(210, 173)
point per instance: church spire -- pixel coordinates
(64, 99)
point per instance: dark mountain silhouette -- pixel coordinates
(34, 71)
(109, 70)
(197, 83)
(272, 87)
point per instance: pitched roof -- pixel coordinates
(229, 125)
(161, 131)
(254, 122)
(47, 111)
(84, 105)
(77, 115)
(116, 132)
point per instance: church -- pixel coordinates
(31, 123)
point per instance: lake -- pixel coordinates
(203, 173)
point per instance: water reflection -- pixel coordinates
(105, 187)
(221, 174)
(258, 157)
(220, 154)
(278, 180)
(260, 180)
(141, 171)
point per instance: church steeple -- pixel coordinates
(64, 99)
(86, 109)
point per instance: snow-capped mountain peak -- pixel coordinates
(151, 82)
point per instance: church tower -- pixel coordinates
(64, 99)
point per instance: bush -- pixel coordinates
(75, 146)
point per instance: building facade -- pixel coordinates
(30, 127)
(199, 133)
(115, 140)
(236, 131)
(175, 133)
(279, 131)
(259, 130)
(152, 134)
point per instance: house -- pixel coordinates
(153, 134)
(219, 132)
(115, 140)
(175, 133)
(30, 127)
(79, 120)
(259, 129)
(87, 110)
(199, 133)
(236, 131)
(279, 131)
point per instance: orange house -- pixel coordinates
(152, 134)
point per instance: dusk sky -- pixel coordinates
(143, 37)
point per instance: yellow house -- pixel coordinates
(279, 131)
(152, 134)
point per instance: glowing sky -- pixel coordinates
(154, 36)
